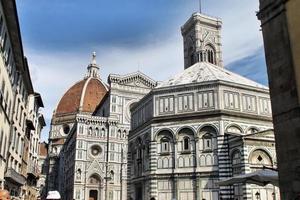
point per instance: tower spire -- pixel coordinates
(93, 69)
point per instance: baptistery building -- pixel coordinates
(133, 138)
(88, 136)
(203, 125)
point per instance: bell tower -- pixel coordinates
(202, 40)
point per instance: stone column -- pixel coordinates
(196, 172)
(153, 168)
(280, 21)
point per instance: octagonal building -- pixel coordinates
(199, 127)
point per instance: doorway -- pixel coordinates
(139, 192)
(93, 195)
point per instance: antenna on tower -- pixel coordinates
(200, 6)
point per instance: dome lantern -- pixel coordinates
(93, 69)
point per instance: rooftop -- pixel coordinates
(207, 72)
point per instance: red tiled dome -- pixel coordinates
(84, 96)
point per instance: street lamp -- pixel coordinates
(273, 195)
(257, 194)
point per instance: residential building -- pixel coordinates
(43, 169)
(20, 117)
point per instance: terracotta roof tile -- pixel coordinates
(92, 90)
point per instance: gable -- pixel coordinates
(267, 134)
(136, 79)
(95, 166)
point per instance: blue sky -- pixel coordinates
(128, 35)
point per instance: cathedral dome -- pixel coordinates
(85, 95)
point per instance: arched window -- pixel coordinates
(80, 129)
(112, 175)
(201, 56)
(207, 140)
(208, 136)
(234, 129)
(139, 153)
(119, 133)
(94, 179)
(210, 54)
(260, 158)
(186, 138)
(78, 174)
(97, 132)
(139, 150)
(252, 130)
(165, 145)
(236, 162)
(186, 144)
(165, 141)
(102, 132)
(90, 131)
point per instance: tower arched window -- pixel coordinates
(210, 54)
(90, 131)
(201, 56)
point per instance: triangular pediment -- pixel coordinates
(95, 166)
(137, 79)
(268, 134)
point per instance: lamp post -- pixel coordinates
(273, 195)
(257, 194)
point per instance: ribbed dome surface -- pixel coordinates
(83, 96)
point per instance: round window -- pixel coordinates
(96, 150)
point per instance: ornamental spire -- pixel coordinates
(93, 69)
(200, 6)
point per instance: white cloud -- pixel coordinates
(54, 72)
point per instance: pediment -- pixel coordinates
(262, 134)
(95, 166)
(137, 79)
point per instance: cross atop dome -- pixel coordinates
(93, 58)
(93, 69)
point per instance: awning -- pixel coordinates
(259, 177)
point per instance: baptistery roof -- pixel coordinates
(85, 95)
(207, 72)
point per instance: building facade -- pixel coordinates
(203, 125)
(20, 119)
(43, 169)
(8, 75)
(280, 23)
(88, 137)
